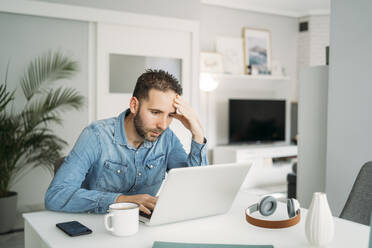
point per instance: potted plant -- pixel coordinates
(26, 139)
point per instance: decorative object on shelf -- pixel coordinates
(276, 68)
(257, 50)
(319, 225)
(231, 49)
(211, 62)
(249, 70)
(253, 70)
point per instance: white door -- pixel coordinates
(140, 41)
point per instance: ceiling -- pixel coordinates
(291, 8)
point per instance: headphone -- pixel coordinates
(267, 206)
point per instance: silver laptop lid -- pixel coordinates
(194, 192)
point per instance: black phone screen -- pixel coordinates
(73, 228)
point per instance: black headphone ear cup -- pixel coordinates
(267, 206)
(291, 208)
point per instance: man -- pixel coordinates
(124, 159)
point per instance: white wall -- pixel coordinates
(303, 47)
(22, 39)
(319, 38)
(311, 43)
(350, 97)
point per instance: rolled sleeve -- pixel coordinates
(105, 200)
(199, 152)
(65, 192)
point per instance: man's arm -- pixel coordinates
(65, 192)
(187, 115)
(198, 152)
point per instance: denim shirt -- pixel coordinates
(102, 165)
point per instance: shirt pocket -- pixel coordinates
(155, 170)
(114, 176)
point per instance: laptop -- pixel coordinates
(194, 192)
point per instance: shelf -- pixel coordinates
(246, 77)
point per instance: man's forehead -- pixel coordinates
(161, 100)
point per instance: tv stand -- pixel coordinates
(270, 162)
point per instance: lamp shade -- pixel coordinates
(207, 83)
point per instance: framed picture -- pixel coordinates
(211, 62)
(231, 49)
(257, 50)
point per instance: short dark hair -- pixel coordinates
(155, 79)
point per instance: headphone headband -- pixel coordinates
(273, 223)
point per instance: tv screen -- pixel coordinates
(256, 121)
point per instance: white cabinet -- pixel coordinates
(270, 164)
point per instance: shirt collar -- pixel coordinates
(120, 136)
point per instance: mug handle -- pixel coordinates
(107, 216)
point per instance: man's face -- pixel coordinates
(154, 114)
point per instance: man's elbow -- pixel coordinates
(51, 200)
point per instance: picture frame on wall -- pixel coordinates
(211, 62)
(257, 50)
(231, 49)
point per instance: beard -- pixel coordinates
(143, 131)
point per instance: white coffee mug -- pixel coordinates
(124, 218)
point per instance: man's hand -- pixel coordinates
(146, 202)
(189, 119)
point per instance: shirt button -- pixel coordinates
(118, 171)
(139, 174)
(151, 166)
(136, 152)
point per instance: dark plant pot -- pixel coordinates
(8, 209)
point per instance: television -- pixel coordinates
(256, 121)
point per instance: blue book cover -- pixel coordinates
(158, 244)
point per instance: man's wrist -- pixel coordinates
(198, 139)
(121, 198)
(198, 134)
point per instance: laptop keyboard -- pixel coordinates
(148, 216)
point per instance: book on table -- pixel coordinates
(160, 244)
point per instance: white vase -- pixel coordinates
(319, 225)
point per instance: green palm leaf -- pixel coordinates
(26, 141)
(5, 97)
(46, 108)
(47, 68)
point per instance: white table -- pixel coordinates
(230, 228)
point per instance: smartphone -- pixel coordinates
(73, 228)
